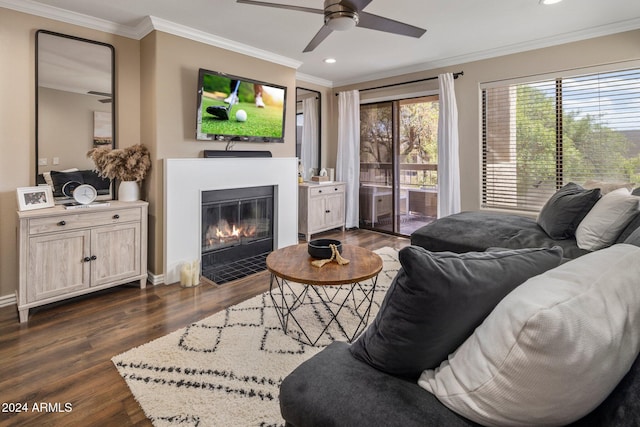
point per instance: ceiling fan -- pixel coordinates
(341, 15)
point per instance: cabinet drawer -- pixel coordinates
(326, 190)
(82, 220)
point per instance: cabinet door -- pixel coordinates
(117, 253)
(316, 213)
(56, 264)
(334, 209)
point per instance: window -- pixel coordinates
(539, 135)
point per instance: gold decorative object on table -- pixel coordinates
(335, 255)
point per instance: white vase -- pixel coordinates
(128, 191)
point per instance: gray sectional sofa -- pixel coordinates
(478, 231)
(372, 381)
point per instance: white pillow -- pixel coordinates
(606, 220)
(47, 178)
(607, 186)
(553, 349)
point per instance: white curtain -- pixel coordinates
(348, 158)
(448, 156)
(309, 148)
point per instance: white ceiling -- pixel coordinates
(457, 30)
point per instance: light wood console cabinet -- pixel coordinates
(321, 207)
(66, 253)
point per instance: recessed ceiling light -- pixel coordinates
(549, 1)
(329, 60)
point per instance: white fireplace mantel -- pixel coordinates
(186, 179)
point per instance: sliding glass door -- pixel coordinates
(398, 164)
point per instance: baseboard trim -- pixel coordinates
(8, 300)
(155, 279)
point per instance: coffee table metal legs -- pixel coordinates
(288, 298)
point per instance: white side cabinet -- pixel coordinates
(321, 207)
(65, 253)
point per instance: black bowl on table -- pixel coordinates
(320, 248)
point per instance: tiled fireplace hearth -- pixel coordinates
(190, 182)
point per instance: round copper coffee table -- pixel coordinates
(293, 264)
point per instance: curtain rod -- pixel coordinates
(455, 76)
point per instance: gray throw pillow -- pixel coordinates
(562, 213)
(633, 225)
(436, 301)
(634, 238)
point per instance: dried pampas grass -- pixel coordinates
(126, 164)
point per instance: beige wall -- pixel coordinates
(169, 86)
(593, 52)
(17, 112)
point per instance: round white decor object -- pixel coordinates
(85, 194)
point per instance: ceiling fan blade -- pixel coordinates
(356, 5)
(375, 22)
(282, 6)
(318, 38)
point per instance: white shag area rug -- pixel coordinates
(226, 370)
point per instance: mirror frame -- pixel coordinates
(111, 195)
(319, 95)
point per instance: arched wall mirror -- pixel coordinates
(308, 133)
(75, 111)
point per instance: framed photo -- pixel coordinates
(102, 128)
(39, 197)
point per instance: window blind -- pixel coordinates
(540, 135)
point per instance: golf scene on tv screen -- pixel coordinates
(239, 109)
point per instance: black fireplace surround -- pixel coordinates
(237, 232)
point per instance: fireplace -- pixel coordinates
(237, 232)
(186, 179)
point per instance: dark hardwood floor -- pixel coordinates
(62, 355)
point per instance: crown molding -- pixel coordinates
(313, 79)
(148, 24)
(604, 30)
(165, 26)
(63, 15)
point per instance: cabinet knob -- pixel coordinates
(327, 211)
(86, 259)
(116, 216)
(319, 191)
(61, 223)
(93, 257)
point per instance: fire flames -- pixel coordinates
(223, 233)
(235, 232)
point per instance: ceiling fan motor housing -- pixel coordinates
(339, 17)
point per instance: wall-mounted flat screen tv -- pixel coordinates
(232, 108)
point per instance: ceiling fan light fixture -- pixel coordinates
(338, 17)
(341, 21)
